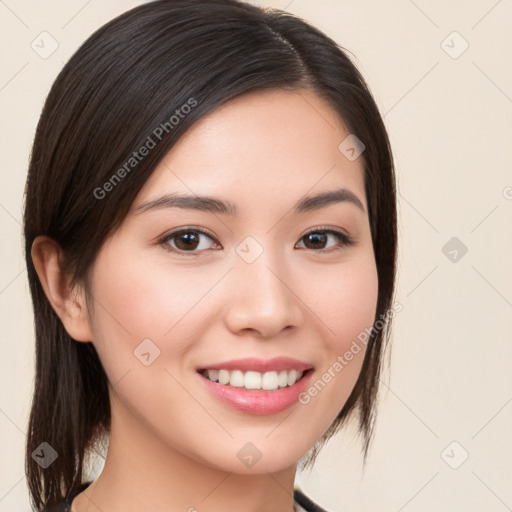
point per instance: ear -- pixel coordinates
(69, 303)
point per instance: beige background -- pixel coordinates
(450, 122)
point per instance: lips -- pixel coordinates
(257, 386)
(260, 365)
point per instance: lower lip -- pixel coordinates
(257, 402)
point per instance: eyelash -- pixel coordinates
(344, 239)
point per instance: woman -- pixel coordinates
(210, 230)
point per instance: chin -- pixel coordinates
(258, 456)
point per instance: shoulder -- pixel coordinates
(306, 503)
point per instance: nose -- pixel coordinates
(261, 299)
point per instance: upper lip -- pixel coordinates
(260, 365)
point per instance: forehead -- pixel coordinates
(265, 146)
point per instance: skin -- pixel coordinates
(174, 445)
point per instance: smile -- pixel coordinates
(257, 386)
(251, 380)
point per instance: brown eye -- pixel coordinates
(188, 240)
(317, 240)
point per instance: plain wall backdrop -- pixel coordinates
(441, 75)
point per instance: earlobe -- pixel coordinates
(69, 303)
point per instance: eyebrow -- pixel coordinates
(214, 205)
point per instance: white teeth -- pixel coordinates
(236, 379)
(214, 375)
(223, 376)
(252, 380)
(268, 381)
(292, 377)
(283, 379)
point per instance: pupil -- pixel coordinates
(317, 238)
(188, 240)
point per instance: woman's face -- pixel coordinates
(242, 283)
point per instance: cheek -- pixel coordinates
(136, 299)
(345, 300)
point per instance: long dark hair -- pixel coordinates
(129, 78)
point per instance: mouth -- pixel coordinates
(256, 386)
(252, 380)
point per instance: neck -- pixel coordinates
(142, 473)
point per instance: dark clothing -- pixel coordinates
(301, 500)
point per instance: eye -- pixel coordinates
(194, 241)
(318, 238)
(188, 240)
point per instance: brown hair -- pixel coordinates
(128, 78)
